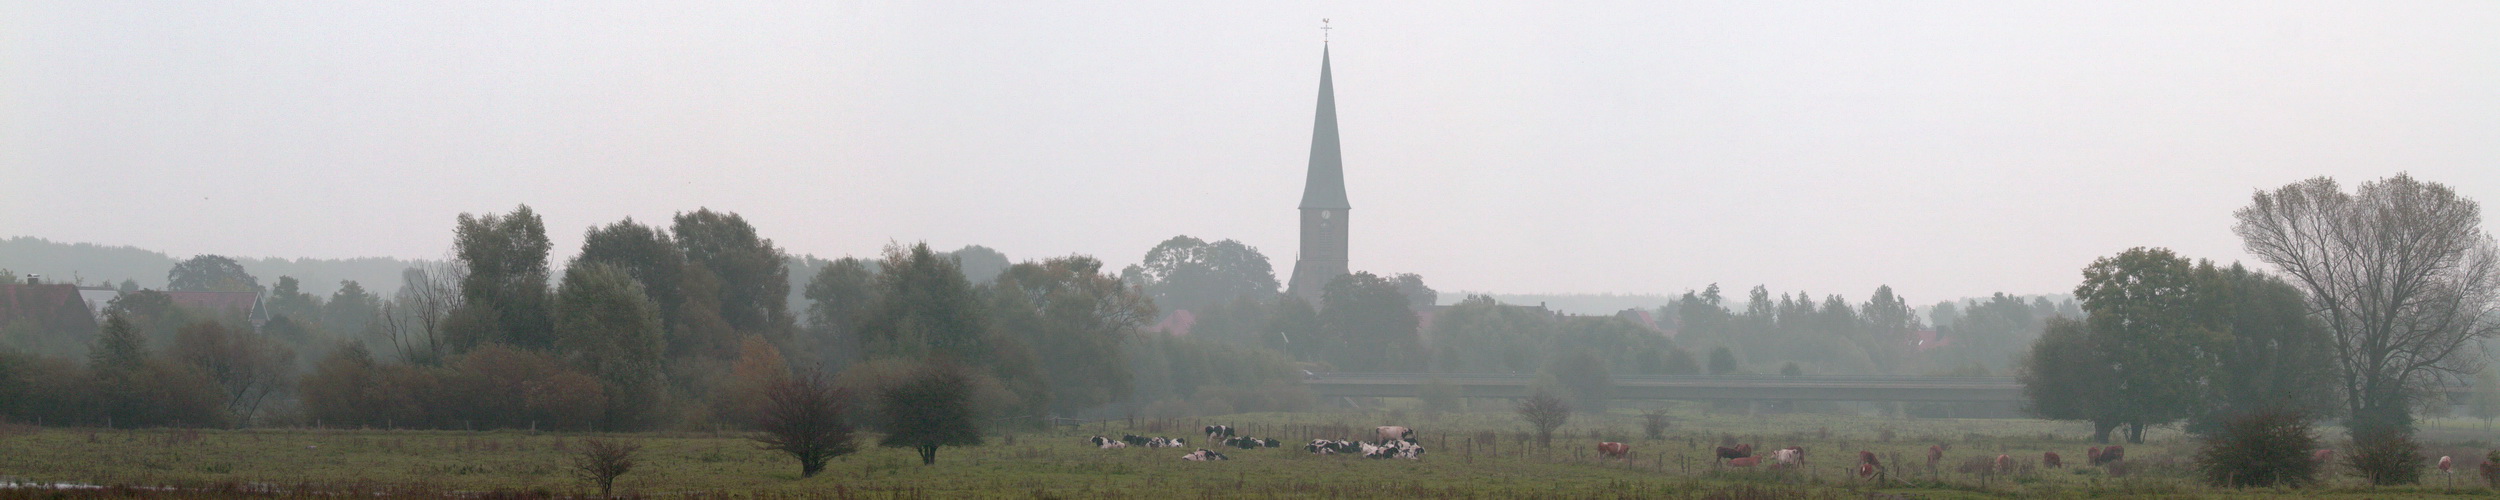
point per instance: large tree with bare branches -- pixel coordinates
(2399, 270)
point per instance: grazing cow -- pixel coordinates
(1219, 431)
(2050, 459)
(1395, 433)
(1868, 458)
(1203, 455)
(1743, 461)
(1935, 453)
(2105, 456)
(1612, 449)
(2004, 463)
(2325, 456)
(1789, 457)
(1866, 470)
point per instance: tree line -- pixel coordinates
(2384, 295)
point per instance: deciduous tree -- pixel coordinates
(607, 327)
(805, 417)
(1186, 273)
(932, 409)
(506, 283)
(2399, 270)
(210, 273)
(1073, 314)
(1366, 325)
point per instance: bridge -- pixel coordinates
(1996, 390)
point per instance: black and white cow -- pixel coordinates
(1332, 447)
(1107, 443)
(1251, 442)
(1164, 442)
(1395, 449)
(1219, 431)
(1203, 455)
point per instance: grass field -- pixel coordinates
(1472, 455)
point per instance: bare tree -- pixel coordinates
(601, 461)
(413, 319)
(2399, 269)
(1545, 412)
(249, 366)
(802, 416)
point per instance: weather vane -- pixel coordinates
(1323, 30)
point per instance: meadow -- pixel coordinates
(1471, 455)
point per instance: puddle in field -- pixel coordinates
(17, 484)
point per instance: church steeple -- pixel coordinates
(1324, 207)
(1325, 187)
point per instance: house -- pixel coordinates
(54, 311)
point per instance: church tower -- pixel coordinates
(1324, 206)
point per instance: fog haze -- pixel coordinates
(1946, 149)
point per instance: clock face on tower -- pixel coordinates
(1327, 214)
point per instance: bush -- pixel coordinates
(2386, 458)
(1654, 424)
(601, 461)
(1545, 412)
(2260, 449)
(803, 416)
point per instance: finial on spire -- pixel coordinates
(1323, 30)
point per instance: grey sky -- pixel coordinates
(1947, 148)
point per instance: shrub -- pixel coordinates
(2260, 449)
(933, 408)
(601, 461)
(2387, 457)
(803, 416)
(1654, 424)
(1545, 412)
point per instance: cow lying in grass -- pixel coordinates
(1251, 442)
(1153, 442)
(1331, 447)
(1203, 455)
(1107, 443)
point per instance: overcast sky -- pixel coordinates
(1948, 149)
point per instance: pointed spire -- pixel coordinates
(1325, 186)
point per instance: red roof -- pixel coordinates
(247, 303)
(50, 307)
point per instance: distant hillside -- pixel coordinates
(98, 264)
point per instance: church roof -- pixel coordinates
(1325, 188)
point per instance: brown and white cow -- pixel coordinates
(1743, 461)
(2051, 460)
(2003, 464)
(1612, 449)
